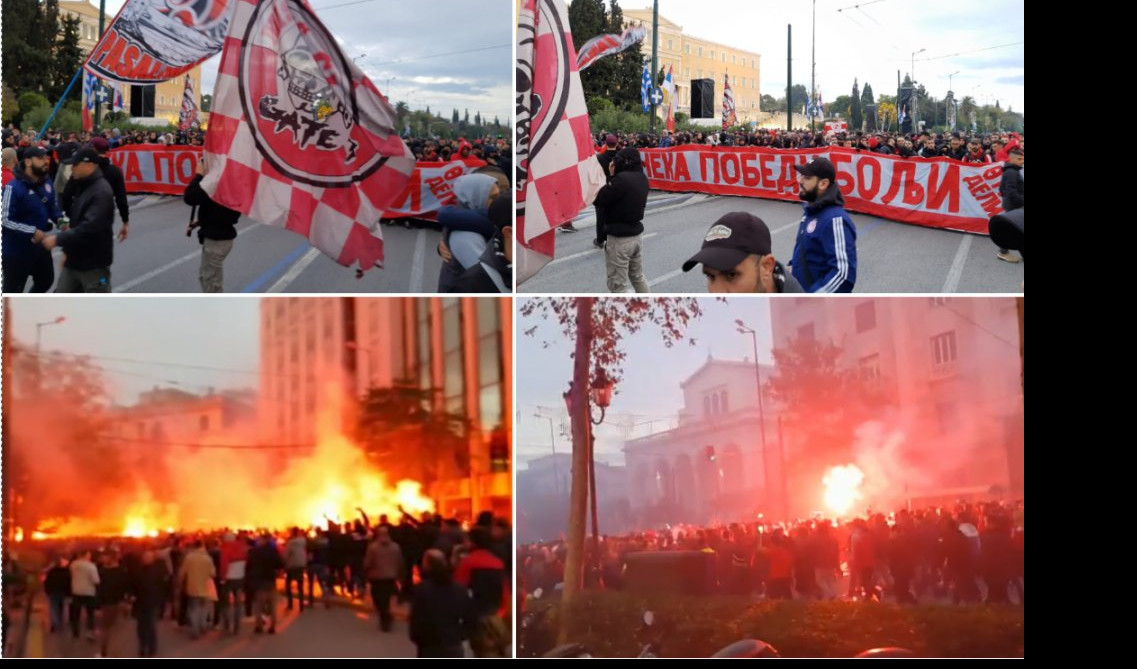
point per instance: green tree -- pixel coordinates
(596, 328)
(799, 98)
(627, 66)
(10, 106)
(27, 53)
(478, 119)
(856, 117)
(454, 118)
(587, 19)
(67, 60)
(840, 106)
(466, 117)
(867, 96)
(770, 103)
(404, 436)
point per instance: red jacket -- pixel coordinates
(232, 551)
(8, 176)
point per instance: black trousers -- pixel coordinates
(39, 267)
(381, 593)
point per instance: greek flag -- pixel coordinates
(645, 89)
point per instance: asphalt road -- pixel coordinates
(159, 258)
(318, 632)
(891, 257)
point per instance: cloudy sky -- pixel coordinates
(444, 54)
(649, 391)
(870, 41)
(134, 339)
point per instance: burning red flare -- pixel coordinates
(842, 488)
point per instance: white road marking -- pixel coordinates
(168, 266)
(416, 285)
(591, 251)
(951, 284)
(293, 272)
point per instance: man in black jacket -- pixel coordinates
(216, 229)
(1013, 190)
(605, 160)
(442, 613)
(114, 177)
(624, 200)
(89, 242)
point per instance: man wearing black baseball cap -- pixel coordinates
(825, 254)
(89, 243)
(737, 258)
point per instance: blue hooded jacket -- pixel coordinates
(825, 254)
(27, 207)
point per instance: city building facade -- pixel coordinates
(692, 58)
(954, 367)
(715, 464)
(316, 352)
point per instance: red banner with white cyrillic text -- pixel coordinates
(936, 192)
(154, 168)
(167, 170)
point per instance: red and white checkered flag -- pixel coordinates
(557, 171)
(299, 137)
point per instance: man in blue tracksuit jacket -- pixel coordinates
(825, 254)
(29, 205)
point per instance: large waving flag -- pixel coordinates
(606, 45)
(645, 88)
(729, 117)
(188, 115)
(299, 137)
(157, 40)
(669, 86)
(557, 171)
(90, 97)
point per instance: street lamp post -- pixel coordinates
(39, 331)
(743, 329)
(915, 108)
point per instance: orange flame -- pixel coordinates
(842, 488)
(222, 489)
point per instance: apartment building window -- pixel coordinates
(706, 407)
(870, 367)
(700, 56)
(806, 332)
(687, 72)
(670, 45)
(715, 408)
(724, 56)
(422, 316)
(453, 373)
(943, 349)
(712, 54)
(865, 314)
(687, 49)
(163, 98)
(732, 61)
(723, 402)
(490, 402)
